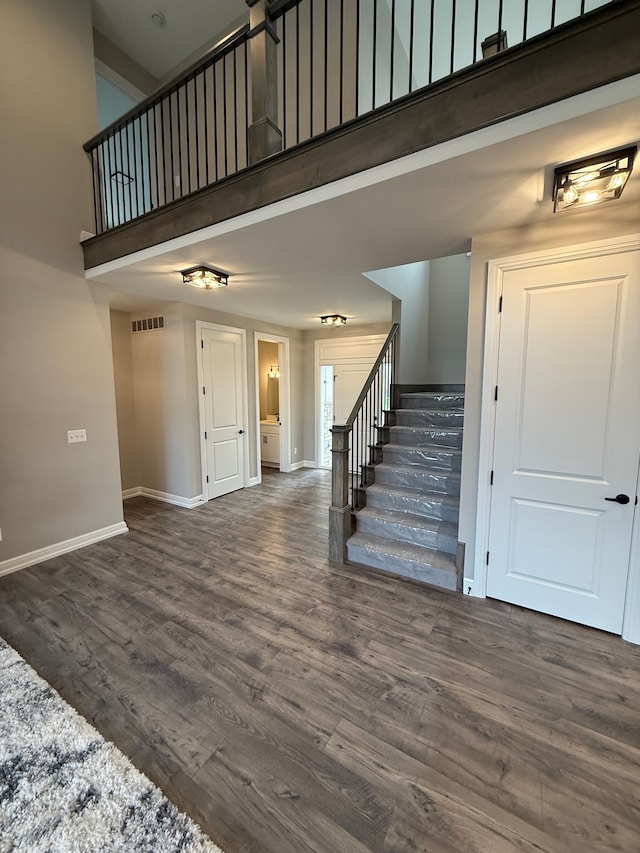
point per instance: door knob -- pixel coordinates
(619, 499)
(241, 432)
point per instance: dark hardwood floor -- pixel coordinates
(289, 706)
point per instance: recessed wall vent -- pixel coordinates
(149, 324)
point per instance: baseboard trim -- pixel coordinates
(309, 463)
(254, 481)
(47, 553)
(296, 466)
(165, 497)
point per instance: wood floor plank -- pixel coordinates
(291, 706)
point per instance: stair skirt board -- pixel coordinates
(408, 526)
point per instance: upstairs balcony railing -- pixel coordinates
(299, 69)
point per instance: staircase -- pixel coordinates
(409, 525)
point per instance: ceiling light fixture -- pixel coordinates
(205, 278)
(592, 180)
(158, 19)
(333, 320)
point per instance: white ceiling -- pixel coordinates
(299, 259)
(189, 25)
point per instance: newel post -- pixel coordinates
(340, 522)
(265, 137)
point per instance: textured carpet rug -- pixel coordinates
(64, 789)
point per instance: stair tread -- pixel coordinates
(411, 469)
(419, 428)
(410, 519)
(404, 550)
(404, 491)
(428, 448)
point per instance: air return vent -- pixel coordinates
(149, 324)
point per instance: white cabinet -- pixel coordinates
(270, 443)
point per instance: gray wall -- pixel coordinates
(157, 393)
(448, 310)
(55, 344)
(597, 223)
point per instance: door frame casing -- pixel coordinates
(319, 360)
(495, 277)
(202, 325)
(284, 390)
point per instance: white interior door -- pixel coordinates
(348, 382)
(223, 406)
(567, 438)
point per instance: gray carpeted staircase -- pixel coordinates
(409, 524)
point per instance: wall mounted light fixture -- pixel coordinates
(333, 320)
(274, 373)
(592, 180)
(205, 278)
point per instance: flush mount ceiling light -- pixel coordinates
(333, 320)
(205, 278)
(158, 19)
(592, 180)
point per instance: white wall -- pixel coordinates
(55, 345)
(596, 223)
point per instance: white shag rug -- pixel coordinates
(64, 789)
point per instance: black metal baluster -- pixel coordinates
(357, 75)
(187, 121)
(326, 63)
(582, 5)
(121, 217)
(431, 42)
(173, 171)
(553, 14)
(311, 68)
(224, 113)
(179, 132)
(130, 171)
(526, 20)
(412, 12)
(215, 119)
(247, 118)
(341, 99)
(499, 23)
(95, 194)
(393, 48)
(205, 96)
(453, 35)
(111, 148)
(140, 194)
(196, 120)
(375, 54)
(475, 31)
(234, 57)
(285, 110)
(298, 73)
(165, 159)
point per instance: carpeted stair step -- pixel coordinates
(432, 400)
(403, 558)
(441, 507)
(431, 456)
(415, 436)
(439, 418)
(419, 478)
(407, 527)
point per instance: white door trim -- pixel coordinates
(495, 275)
(217, 327)
(285, 400)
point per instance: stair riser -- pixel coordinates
(443, 484)
(399, 566)
(440, 460)
(429, 419)
(416, 437)
(426, 508)
(406, 533)
(432, 401)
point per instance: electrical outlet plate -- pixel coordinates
(76, 435)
